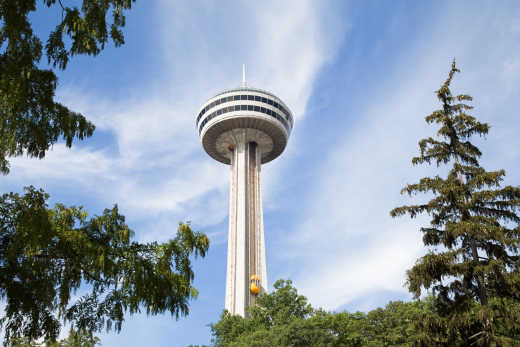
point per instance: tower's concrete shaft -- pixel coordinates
(246, 246)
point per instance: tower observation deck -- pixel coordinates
(244, 127)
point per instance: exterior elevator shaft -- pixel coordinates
(246, 245)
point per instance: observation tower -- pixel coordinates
(245, 128)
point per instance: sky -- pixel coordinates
(359, 78)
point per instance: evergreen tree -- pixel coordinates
(473, 263)
(48, 254)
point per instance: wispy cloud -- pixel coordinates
(155, 164)
(347, 245)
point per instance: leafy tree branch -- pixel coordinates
(49, 254)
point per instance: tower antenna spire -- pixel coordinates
(244, 84)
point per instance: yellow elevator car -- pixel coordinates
(255, 285)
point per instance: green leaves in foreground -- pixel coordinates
(58, 266)
(31, 120)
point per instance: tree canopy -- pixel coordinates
(31, 121)
(284, 318)
(58, 266)
(474, 234)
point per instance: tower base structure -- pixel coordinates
(246, 245)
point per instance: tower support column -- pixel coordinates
(246, 245)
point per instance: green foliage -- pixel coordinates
(281, 308)
(31, 120)
(80, 338)
(473, 265)
(76, 338)
(46, 255)
(284, 318)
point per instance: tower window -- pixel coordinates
(284, 117)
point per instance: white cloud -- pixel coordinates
(64, 164)
(348, 244)
(372, 263)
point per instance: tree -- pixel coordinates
(48, 254)
(31, 120)
(396, 324)
(284, 318)
(473, 263)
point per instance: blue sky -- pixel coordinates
(359, 77)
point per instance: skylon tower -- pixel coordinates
(245, 128)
